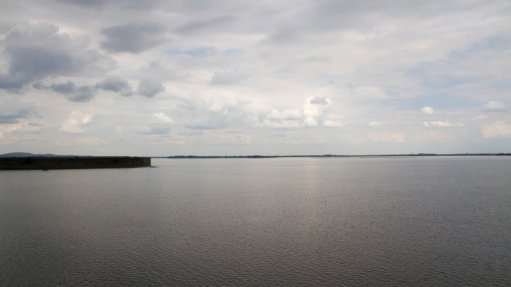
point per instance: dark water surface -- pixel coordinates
(261, 222)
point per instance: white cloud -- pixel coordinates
(442, 124)
(163, 118)
(314, 111)
(427, 110)
(374, 124)
(333, 122)
(75, 123)
(497, 130)
(495, 106)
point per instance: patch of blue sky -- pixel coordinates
(494, 43)
(435, 75)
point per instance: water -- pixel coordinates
(261, 222)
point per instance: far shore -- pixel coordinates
(329, 155)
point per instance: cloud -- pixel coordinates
(193, 27)
(73, 92)
(497, 130)
(150, 87)
(227, 78)
(76, 122)
(64, 88)
(315, 110)
(133, 38)
(333, 122)
(34, 52)
(320, 101)
(116, 85)
(156, 130)
(13, 117)
(85, 93)
(287, 118)
(427, 110)
(18, 122)
(495, 106)
(86, 3)
(7, 129)
(160, 124)
(374, 124)
(163, 118)
(442, 124)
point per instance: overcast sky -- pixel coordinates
(232, 77)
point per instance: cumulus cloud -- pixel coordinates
(133, 38)
(495, 106)
(314, 111)
(160, 124)
(333, 122)
(162, 117)
(34, 52)
(497, 130)
(442, 124)
(289, 118)
(73, 92)
(85, 93)
(150, 87)
(427, 110)
(116, 85)
(76, 122)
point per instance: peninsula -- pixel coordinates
(71, 162)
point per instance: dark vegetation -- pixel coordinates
(71, 162)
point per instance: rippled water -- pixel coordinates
(265, 222)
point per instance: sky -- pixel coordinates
(226, 77)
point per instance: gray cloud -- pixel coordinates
(133, 38)
(150, 87)
(319, 101)
(157, 130)
(73, 92)
(228, 78)
(199, 26)
(103, 4)
(86, 3)
(34, 52)
(82, 94)
(64, 88)
(13, 117)
(116, 85)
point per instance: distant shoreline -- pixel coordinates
(329, 156)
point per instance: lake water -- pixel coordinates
(438, 221)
